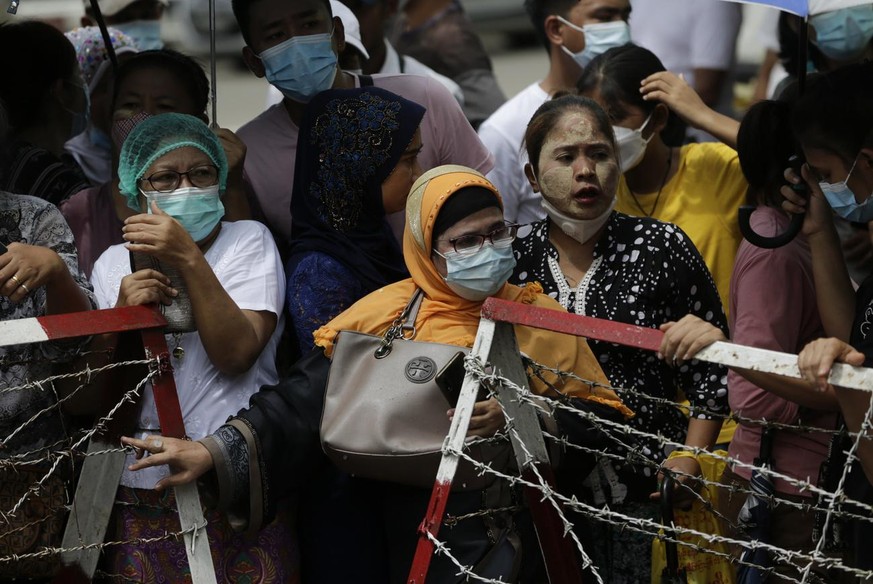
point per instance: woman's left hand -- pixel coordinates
(487, 418)
(818, 357)
(682, 340)
(161, 236)
(674, 91)
(188, 460)
(686, 470)
(25, 268)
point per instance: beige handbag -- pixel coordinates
(385, 417)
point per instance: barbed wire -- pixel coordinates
(839, 491)
(526, 396)
(803, 562)
(87, 373)
(50, 550)
(686, 409)
(128, 397)
(651, 528)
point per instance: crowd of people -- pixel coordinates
(389, 179)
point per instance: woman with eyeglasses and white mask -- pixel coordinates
(698, 187)
(637, 270)
(173, 170)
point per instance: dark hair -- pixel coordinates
(836, 112)
(242, 12)
(36, 55)
(538, 10)
(458, 207)
(548, 114)
(764, 144)
(187, 71)
(789, 41)
(617, 75)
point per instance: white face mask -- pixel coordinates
(579, 229)
(631, 145)
(599, 38)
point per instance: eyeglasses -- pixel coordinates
(471, 243)
(167, 181)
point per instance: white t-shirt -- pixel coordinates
(246, 262)
(503, 134)
(271, 142)
(688, 35)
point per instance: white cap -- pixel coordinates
(350, 23)
(113, 7)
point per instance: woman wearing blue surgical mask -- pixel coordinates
(833, 121)
(173, 172)
(699, 187)
(92, 149)
(637, 270)
(47, 104)
(147, 84)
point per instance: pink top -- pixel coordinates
(94, 222)
(271, 142)
(773, 306)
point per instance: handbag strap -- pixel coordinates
(403, 326)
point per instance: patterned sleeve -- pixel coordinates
(319, 289)
(51, 230)
(231, 457)
(704, 384)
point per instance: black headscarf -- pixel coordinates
(350, 141)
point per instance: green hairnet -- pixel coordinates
(156, 136)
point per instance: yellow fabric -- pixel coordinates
(702, 198)
(682, 454)
(701, 568)
(446, 318)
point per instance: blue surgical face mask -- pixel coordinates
(302, 66)
(599, 38)
(480, 275)
(82, 118)
(843, 35)
(842, 200)
(198, 209)
(99, 139)
(146, 34)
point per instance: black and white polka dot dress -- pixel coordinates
(645, 272)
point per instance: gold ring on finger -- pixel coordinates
(26, 289)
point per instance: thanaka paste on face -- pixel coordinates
(557, 184)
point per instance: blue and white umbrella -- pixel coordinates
(805, 7)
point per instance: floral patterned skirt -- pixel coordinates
(270, 556)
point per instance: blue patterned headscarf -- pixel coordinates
(350, 141)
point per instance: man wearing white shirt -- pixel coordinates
(573, 32)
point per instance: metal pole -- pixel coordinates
(104, 32)
(213, 87)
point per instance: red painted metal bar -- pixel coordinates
(573, 324)
(97, 322)
(436, 510)
(164, 385)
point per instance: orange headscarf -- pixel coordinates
(446, 318)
